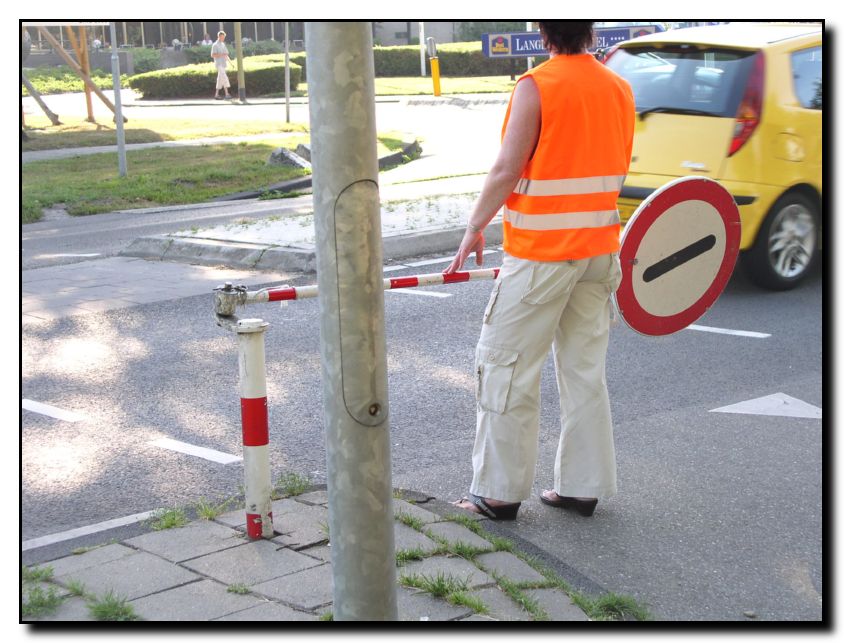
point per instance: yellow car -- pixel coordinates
(742, 104)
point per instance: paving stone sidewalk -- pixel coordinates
(209, 571)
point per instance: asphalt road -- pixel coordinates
(63, 239)
(718, 515)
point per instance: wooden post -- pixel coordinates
(76, 68)
(85, 63)
(76, 44)
(34, 93)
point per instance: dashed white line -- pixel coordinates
(428, 262)
(426, 293)
(727, 331)
(69, 254)
(34, 543)
(199, 452)
(52, 411)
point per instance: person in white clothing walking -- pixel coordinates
(221, 59)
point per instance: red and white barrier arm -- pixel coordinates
(286, 293)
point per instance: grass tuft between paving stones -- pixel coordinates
(608, 607)
(445, 586)
(291, 484)
(209, 510)
(38, 601)
(168, 519)
(111, 607)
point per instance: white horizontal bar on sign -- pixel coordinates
(727, 331)
(52, 411)
(43, 541)
(199, 452)
(425, 293)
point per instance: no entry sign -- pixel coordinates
(678, 251)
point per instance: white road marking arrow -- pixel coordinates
(777, 404)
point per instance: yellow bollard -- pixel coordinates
(435, 64)
(435, 75)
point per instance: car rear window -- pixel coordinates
(684, 78)
(807, 74)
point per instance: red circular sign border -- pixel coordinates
(684, 189)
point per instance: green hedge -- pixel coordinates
(200, 54)
(60, 80)
(265, 72)
(263, 75)
(145, 59)
(457, 59)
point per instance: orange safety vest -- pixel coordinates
(564, 206)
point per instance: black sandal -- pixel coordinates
(499, 512)
(584, 507)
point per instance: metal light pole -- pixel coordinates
(241, 77)
(287, 69)
(118, 109)
(422, 48)
(353, 345)
(529, 27)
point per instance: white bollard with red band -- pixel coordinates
(256, 438)
(253, 384)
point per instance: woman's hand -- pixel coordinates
(472, 242)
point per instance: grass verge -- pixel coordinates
(77, 131)
(155, 177)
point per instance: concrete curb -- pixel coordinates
(232, 254)
(409, 148)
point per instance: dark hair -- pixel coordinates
(567, 36)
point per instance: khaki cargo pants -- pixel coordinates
(533, 306)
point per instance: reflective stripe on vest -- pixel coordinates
(553, 187)
(562, 221)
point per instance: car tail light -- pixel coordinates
(750, 108)
(609, 53)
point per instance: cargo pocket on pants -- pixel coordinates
(549, 281)
(492, 299)
(494, 376)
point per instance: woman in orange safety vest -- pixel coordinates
(566, 145)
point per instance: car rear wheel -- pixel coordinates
(786, 247)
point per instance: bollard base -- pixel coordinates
(257, 529)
